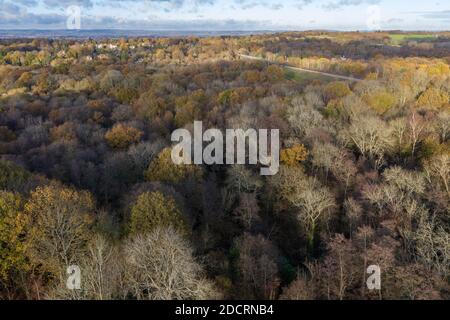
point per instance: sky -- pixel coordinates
(226, 15)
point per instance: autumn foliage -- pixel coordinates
(87, 179)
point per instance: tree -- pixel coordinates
(240, 179)
(12, 177)
(247, 210)
(437, 169)
(294, 155)
(313, 203)
(399, 194)
(380, 100)
(257, 266)
(412, 282)
(399, 133)
(163, 169)
(12, 231)
(110, 79)
(59, 221)
(274, 73)
(432, 244)
(353, 214)
(150, 106)
(339, 268)
(311, 200)
(189, 108)
(330, 158)
(122, 136)
(126, 94)
(101, 274)
(160, 266)
(371, 136)
(25, 80)
(443, 126)
(433, 98)
(141, 155)
(287, 181)
(177, 55)
(300, 289)
(6, 135)
(336, 90)
(160, 55)
(152, 210)
(303, 118)
(416, 129)
(102, 270)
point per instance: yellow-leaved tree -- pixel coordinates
(163, 169)
(294, 155)
(152, 210)
(122, 136)
(12, 231)
(433, 98)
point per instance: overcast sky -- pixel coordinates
(229, 14)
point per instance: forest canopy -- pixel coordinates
(86, 177)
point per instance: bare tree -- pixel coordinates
(416, 130)
(240, 179)
(337, 161)
(371, 136)
(442, 126)
(433, 247)
(339, 268)
(353, 213)
(101, 273)
(160, 266)
(102, 270)
(437, 169)
(300, 289)
(399, 132)
(247, 210)
(303, 118)
(398, 194)
(313, 202)
(257, 265)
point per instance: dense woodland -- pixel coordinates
(86, 176)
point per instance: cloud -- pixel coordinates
(27, 3)
(9, 8)
(207, 14)
(33, 20)
(66, 3)
(175, 4)
(165, 24)
(250, 5)
(276, 6)
(268, 4)
(339, 4)
(16, 16)
(438, 15)
(300, 4)
(394, 21)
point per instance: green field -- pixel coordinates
(304, 77)
(398, 39)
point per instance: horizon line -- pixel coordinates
(227, 30)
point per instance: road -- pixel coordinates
(336, 76)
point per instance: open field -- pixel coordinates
(398, 39)
(304, 77)
(314, 74)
